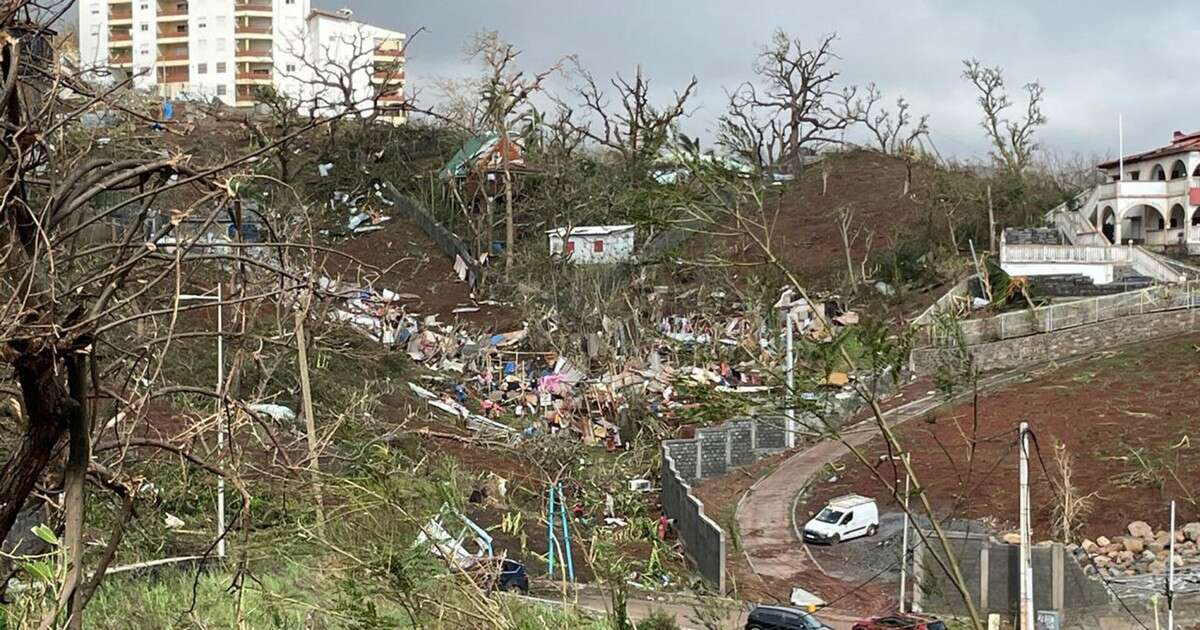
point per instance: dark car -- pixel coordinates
(513, 577)
(782, 618)
(907, 621)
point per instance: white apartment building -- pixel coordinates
(228, 49)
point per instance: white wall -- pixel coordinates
(1100, 273)
(618, 247)
(93, 40)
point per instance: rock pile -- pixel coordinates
(1142, 551)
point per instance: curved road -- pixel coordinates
(765, 519)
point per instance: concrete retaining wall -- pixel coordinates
(712, 453)
(1033, 349)
(991, 570)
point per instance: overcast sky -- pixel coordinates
(1095, 58)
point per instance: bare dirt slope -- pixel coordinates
(402, 258)
(803, 215)
(1126, 418)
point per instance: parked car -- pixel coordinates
(908, 621)
(782, 618)
(513, 577)
(845, 517)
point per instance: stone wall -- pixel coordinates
(1039, 348)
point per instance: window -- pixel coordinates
(182, 28)
(202, 44)
(201, 24)
(220, 90)
(1134, 175)
(289, 1)
(291, 67)
(220, 44)
(201, 68)
(144, 27)
(144, 6)
(220, 66)
(846, 518)
(95, 9)
(598, 246)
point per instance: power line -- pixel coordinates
(1054, 488)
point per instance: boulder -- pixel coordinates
(1157, 567)
(1088, 546)
(1103, 541)
(1191, 531)
(1141, 529)
(1012, 538)
(1133, 545)
(1156, 548)
(1162, 538)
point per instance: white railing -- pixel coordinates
(1046, 319)
(1100, 254)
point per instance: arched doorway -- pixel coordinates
(1177, 225)
(1144, 224)
(1108, 223)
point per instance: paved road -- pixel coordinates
(732, 613)
(765, 515)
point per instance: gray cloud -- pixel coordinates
(1095, 59)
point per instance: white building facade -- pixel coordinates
(1154, 200)
(597, 244)
(228, 49)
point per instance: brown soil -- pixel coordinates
(402, 258)
(805, 230)
(1108, 410)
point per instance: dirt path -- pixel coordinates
(765, 515)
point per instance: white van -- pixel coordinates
(845, 517)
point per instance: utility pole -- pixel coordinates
(1171, 574)
(904, 537)
(791, 377)
(220, 421)
(1026, 551)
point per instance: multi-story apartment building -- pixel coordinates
(228, 49)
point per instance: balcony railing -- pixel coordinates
(171, 33)
(120, 36)
(389, 52)
(177, 56)
(252, 5)
(253, 76)
(173, 12)
(249, 30)
(121, 14)
(265, 52)
(173, 77)
(120, 59)
(384, 75)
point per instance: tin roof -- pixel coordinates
(590, 230)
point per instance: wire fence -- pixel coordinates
(1168, 297)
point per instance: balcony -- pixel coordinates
(261, 55)
(392, 77)
(174, 14)
(260, 77)
(252, 7)
(172, 36)
(174, 75)
(172, 58)
(256, 31)
(120, 15)
(392, 54)
(120, 60)
(120, 36)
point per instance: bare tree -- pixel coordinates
(1012, 140)
(92, 292)
(356, 73)
(634, 128)
(893, 134)
(798, 94)
(504, 100)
